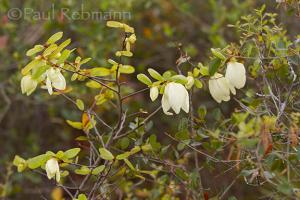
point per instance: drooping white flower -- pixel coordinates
(236, 74)
(220, 88)
(176, 97)
(154, 93)
(28, 85)
(55, 79)
(52, 169)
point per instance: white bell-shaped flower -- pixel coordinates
(52, 169)
(220, 88)
(236, 74)
(54, 78)
(154, 93)
(28, 85)
(176, 97)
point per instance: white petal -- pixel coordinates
(214, 91)
(49, 174)
(57, 176)
(176, 94)
(154, 93)
(58, 81)
(186, 104)
(225, 85)
(236, 74)
(231, 87)
(49, 86)
(219, 88)
(165, 105)
(28, 85)
(51, 167)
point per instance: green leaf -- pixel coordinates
(153, 142)
(77, 125)
(114, 24)
(65, 173)
(146, 148)
(181, 174)
(179, 79)
(50, 154)
(124, 142)
(135, 150)
(18, 160)
(36, 49)
(201, 112)
(37, 161)
(61, 47)
(123, 156)
(144, 79)
(82, 197)
(85, 61)
(59, 154)
(198, 83)
(100, 71)
(214, 66)
(39, 71)
(98, 170)
(154, 74)
(84, 170)
(20, 163)
(80, 104)
(81, 138)
(71, 153)
(64, 55)
(124, 53)
(248, 143)
(129, 164)
(126, 69)
(218, 54)
(182, 135)
(49, 50)
(105, 154)
(57, 36)
(167, 74)
(203, 70)
(33, 64)
(93, 84)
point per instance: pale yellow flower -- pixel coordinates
(219, 88)
(176, 97)
(236, 74)
(55, 79)
(28, 85)
(52, 169)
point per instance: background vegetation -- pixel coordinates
(32, 125)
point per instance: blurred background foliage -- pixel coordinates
(29, 126)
